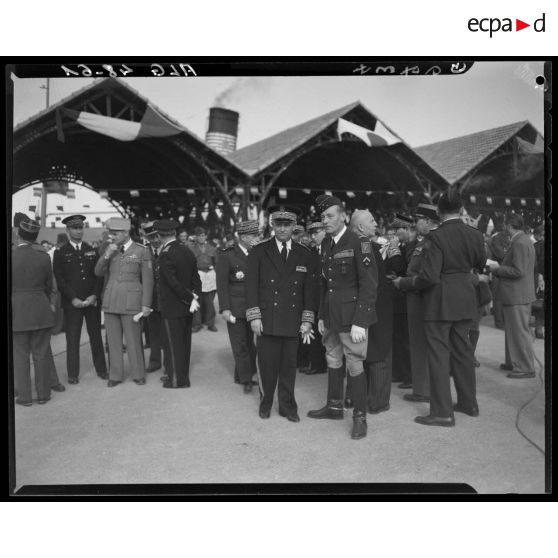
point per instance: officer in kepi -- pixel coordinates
(74, 270)
(231, 272)
(281, 304)
(347, 309)
(126, 299)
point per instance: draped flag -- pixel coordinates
(152, 125)
(380, 137)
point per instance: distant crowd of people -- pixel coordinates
(340, 295)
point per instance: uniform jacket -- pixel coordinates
(155, 263)
(32, 291)
(450, 253)
(413, 267)
(349, 283)
(75, 273)
(178, 280)
(231, 273)
(281, 295)
(516, 274)
(129, 280)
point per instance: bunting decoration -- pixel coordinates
(380, 137)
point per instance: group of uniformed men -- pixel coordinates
(337, 297)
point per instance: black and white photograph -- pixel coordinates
(279, 273)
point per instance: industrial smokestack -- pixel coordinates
(222, 130)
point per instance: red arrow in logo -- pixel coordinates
(519, 25)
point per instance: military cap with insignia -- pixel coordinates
(426, 210)
(74, 221)
(165, 225)
(28, 228)
(248, 227)
(315, 226)
(118, 224)
(284, 213)
(326, 201)
(148, 228)
(401, 221)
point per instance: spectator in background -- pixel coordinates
(46, 245)
(516, 289)
(499, 243)
(183, 237)
(538, 310)
(206, 258)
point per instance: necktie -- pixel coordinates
(122, 249)
(332, 246)
(284, 252)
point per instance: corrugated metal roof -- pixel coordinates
(259, 155)
(456, 157)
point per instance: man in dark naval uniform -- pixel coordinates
(427, 220)
(231, 272)
(280, 304)
(33, 301)
(179, 291)
(74, 270)
(451, 252)
(380, 334)
(347, 310)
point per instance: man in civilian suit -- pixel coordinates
(179, 290)
(74, 270)
(231, 273)
(33, 304)
(281, 303)
(516, 285)
(128, 292)
(450, 305)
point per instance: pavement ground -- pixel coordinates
(211, 433)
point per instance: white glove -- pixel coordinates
(138, 317)
(358, 334)
(195, 306)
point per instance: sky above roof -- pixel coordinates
(421, 109)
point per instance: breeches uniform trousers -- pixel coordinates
(74, 321)
(277, 364)
(116, 325)
(449, 348)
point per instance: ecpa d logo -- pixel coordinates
(492, 25)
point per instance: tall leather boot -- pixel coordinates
(359, 392)
(348, 400)
(334, 406)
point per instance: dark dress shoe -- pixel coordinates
(43, 401)
(360, 428)
(472, 412)
(429, 420)
(248, 387)
(140, 382)
(505, 366)
(292, 417)
(378, 411)
(415, 398)
(264, 414)
(212, 328)
(405, 385)
(519, 375)
(333, 410)
(152, 368)
(103, 375)
(73, 381)
(58, 387)
(112, 383)
(164, 378)
(24, 403)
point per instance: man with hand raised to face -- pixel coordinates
(281, 303)
(347, 309)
